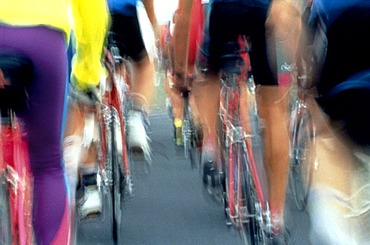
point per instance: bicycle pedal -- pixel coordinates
(231, 218)
(228, 221)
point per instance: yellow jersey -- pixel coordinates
(87, 18)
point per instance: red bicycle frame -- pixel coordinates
(14, 162)
(233, 105)
(112, 97)
(232, 109)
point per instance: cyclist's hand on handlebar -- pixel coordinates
(108, 60)
(181, 82)
(87, 98)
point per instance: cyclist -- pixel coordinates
(40, 29)
(182, 54)
(132, 40)
(174, 96)
(334, 16)
(339, 39)
(265, 22)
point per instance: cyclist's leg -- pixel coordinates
(273, 110)
(72, 144)
(195, 40)
(222, 27)
(173, 92)
(208, 84)
(187, 20)
(208, 109)
(44, 127)
(142, 75)
(284, 29)
(273, 101)
(177, 103)
(143, 70)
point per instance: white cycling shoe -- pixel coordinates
(138, 140)
(91, 202)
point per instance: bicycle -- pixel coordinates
(15, 173)
(302, 130)
(302, 147)
(190, 134)
(108, 123)
(245, 186)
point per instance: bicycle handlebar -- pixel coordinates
(88, 99)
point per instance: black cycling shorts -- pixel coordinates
(226, 23)
(128, 36)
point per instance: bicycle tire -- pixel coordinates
(105, 153)
(118, 176)
(5, 219)
(302, 157)
(254, 228)
(195, 139)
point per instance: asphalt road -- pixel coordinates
(168, 206)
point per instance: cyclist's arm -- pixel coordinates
(90, 23)
(149, 7)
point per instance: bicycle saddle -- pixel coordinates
(231, 61)
(114, 41)
(16, 73)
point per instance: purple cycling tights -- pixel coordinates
(44, 122)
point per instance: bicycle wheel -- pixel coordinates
(302, 157)
(253, 229)
(195, 141)
(5, 219)
(118, 176)
(190, 137)
(244, 209)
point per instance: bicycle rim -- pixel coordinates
(5, 219)
(302, 161)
